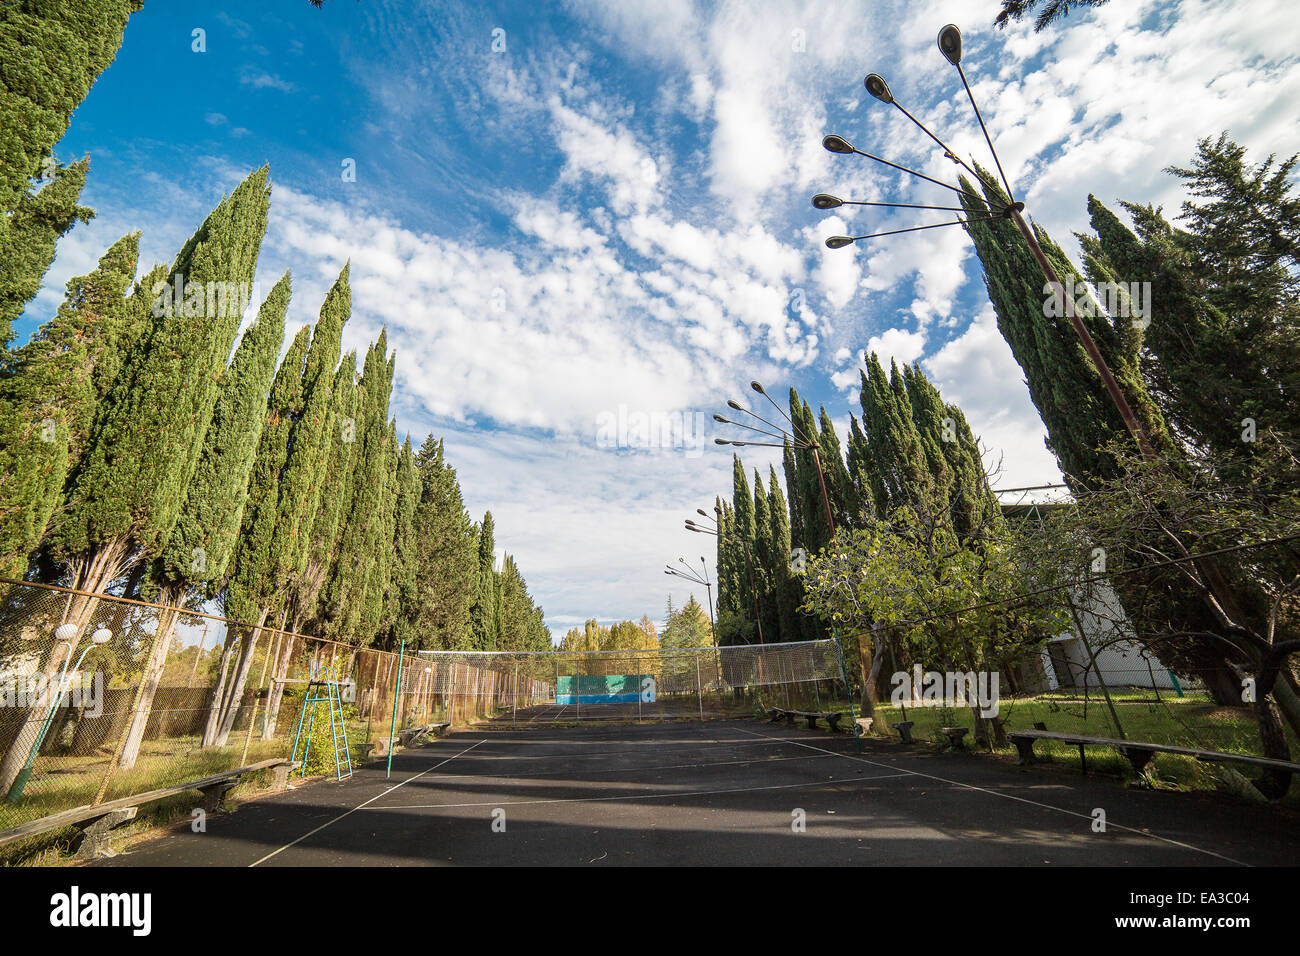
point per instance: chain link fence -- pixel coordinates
(103, 697)
(693, 683)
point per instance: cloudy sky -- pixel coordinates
(577, 218)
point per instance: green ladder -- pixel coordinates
(323, 690)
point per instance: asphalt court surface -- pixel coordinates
(717, 793)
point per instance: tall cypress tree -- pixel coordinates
(127, 488)
(839, 484)
(198, 553)
(788, 588)
(1082, 424)
(335, 499)
(263, 580)
(50, 396)
(445, 552)
(483, 618)
(34, 227)
(768, 564)
(126, 491)
(347, 592)
(51, 53)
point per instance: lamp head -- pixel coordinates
(837, 144)
(758, 387)
(701, 512)
(65, 632)
(950, 44)
(736, 405)
(826, 201)
(877, 87)
(721, 441)
(720, 419)
(102, 635)
(839, 242)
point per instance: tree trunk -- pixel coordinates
(236, 696)
(219, 691)
(276, 694)
(152, 675)
(89, 573)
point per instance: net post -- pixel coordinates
(699, 688)
(848, 691)
(514, 697)
(397, 689)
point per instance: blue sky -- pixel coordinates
(574, 214)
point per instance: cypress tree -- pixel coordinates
(263, 580)
(335, 499)
(1066, 389)
(484, 617)
(839, 484)
(808, 490)
(352, 583)
(35, 225)
(866, 483)
(768, 564)
(51, 53)
(198, 553)
(788, 588)
(445, 552)
(380, 535)
(126, 490)
(1082, 424)
(790, 471)
(49, 398)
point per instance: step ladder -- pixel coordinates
(323, 690)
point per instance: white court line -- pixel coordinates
(1005, 796)
(561, 773)
(637, 796)
(362, 806)
(598, 755)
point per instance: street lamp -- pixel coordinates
(65, 634)
(950, 46)
(716, 531)
(797, 440)
(701, 578)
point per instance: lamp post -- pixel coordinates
(808, 443)
(698, 578)
(796, 440)
(950, 46)
(749, 562)
(66, 633)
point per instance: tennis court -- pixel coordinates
(717, 792)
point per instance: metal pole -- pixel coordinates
(514, 697)
(848, 692)
(397, 690)
(699, 688)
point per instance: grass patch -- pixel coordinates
(1190, 721)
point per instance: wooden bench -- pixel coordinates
(832, 719)
(955, 735)
(1138, 753)
(414, 735)
(904, 728)
(96, 821)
